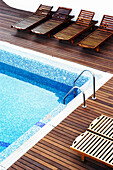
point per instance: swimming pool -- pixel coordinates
(50, 79)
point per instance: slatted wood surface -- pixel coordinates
(85, 17)
(94, 146)
(94, 39)
(107, 22)
(46, 27)
(43, 9)
(69, 32)
(27, 22)
(103, 126)
(53, 152)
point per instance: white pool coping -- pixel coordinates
(5, 164)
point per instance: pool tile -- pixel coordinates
(40, 124)
(4, 144)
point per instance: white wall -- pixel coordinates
(100, 7)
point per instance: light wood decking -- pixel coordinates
(53, 151)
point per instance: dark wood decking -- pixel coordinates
(53, 152)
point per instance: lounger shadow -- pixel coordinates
(41, 14)
(83, 23)
(96, 38)
(60, 17)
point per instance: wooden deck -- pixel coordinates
(53, 152)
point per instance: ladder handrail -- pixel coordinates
(93, 82)
(71, 91)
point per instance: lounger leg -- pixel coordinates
(60, 40)
(29, 30)
(82, 158)
(97, 49)
(49, 35)
(92, 28)
(72, 41)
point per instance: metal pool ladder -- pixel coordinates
(76, 87)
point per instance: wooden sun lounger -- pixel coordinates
(97, 142)
(95, 39)
(83, 23)
(60, 17)
(42, 13)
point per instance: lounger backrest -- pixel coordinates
(107, 23)
(61, 13)
(85, 17)
(43, 10)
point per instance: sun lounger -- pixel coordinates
(60, 17)
(97, 142)
(95, 39)
(42, 13)
(83, 23)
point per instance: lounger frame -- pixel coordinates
(83, 23)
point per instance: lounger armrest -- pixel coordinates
(94, 22)
(71, 16)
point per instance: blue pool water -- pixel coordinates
(23, 103)
(28, 96)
